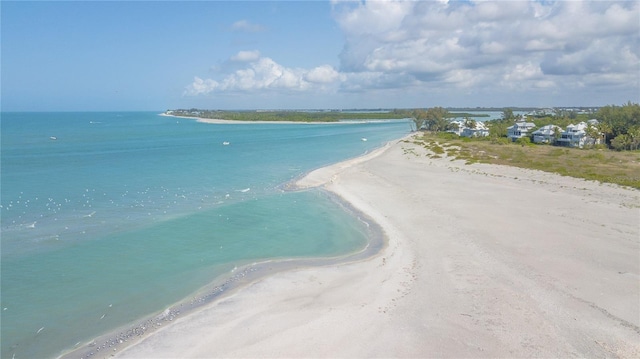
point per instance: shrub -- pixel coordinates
(500, 141)
(447, 135)
(523, 141)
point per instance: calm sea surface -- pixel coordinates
(110, 217)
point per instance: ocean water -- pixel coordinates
(107, 218)
(488, 115)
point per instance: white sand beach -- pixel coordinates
(216, 121)
(482, 261)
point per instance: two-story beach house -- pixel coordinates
(462, 128)
(479, 130)
(576, 135)
(519, 129)
(546, 134)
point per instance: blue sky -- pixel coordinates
(101, 56)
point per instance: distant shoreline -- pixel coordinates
(288, 116)
(218, 121)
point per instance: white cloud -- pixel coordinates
(474, 46)
(487, 43)
(523, 72)
(200, 86)
(246, 56)
(263, 73)
(322, 74)
(498, 11)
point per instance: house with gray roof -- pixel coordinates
(519, 130)
(546, 134)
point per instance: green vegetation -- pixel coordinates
(523, 141)
(437, 117)
(618, 126)
(294, 116)
(433, 119)
(465, 114)
(608, 166)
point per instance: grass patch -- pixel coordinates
(447, 136)
(436, 149)
(607, 166)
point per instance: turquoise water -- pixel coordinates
(111, 217)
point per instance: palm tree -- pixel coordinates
(556, 134)
(621, 142)
(605, 129)
(634, 134)
(593, 134)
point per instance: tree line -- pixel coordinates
(289, 116)
(620, 126)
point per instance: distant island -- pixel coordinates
(304, 115)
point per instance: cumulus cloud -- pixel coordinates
(322, 74)
(455, 45)
(488, 43)
(263, 73)
(200, 86)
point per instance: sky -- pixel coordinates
(154, 56)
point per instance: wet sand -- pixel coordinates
(480, 261)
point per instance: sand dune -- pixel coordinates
(481, 261)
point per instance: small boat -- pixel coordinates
(53, 138)
(225, 143)
(364, 139)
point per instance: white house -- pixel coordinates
(479, 130)
(456, 127)
(576, 135)
(519, 129)
(541, 112)
(546, 134)
(461, 129)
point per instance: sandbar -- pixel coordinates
(217, 121)
(480, 261)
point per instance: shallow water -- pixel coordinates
(123, 214)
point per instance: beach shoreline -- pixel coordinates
(480, 261)
(140, 327)
(227, 285)
(214, 121)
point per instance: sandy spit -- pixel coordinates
(482, 261)
(215, 121)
